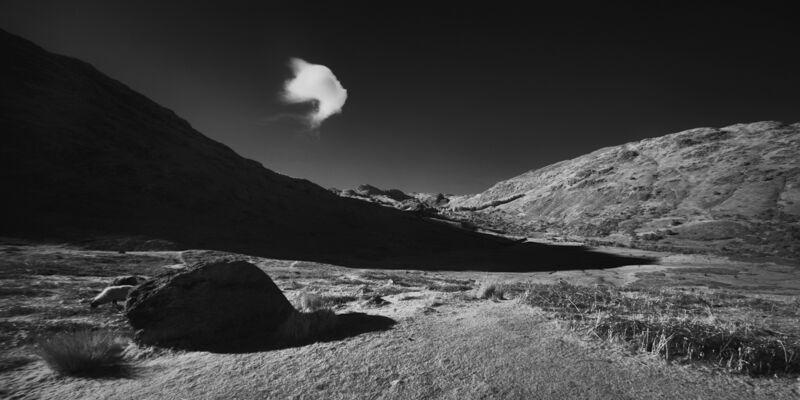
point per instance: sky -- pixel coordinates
(440, 96)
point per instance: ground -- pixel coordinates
(445, 343)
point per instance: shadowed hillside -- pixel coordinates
(86, 158)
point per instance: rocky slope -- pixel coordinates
(83, 157)
(395, 198)
(734, 189)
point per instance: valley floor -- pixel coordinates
(446, 344)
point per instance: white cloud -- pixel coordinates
(315, 83)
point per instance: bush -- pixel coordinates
(310, 302)
(84, 353)
(491, 290)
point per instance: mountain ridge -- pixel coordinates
(87, 159)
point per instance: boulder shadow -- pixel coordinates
(354, 324)
(340, 327)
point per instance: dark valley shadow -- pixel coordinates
(90, 159)
(508, 256)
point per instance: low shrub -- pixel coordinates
(310, 302)
(84, 353)
(491, 290)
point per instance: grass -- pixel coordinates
(90, 263)
(312, 320)
(84, 353)
(12, 362)
(491, 290)
(680, 326)
(417, 280)
(310, 302)
(449, 287)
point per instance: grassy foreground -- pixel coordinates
(748, 335)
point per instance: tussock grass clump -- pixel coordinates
(676, 326)
(745, 349)
(84, 353)
(306, 327)
(310, 302)
(491, 290)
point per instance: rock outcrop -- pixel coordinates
(207, 306)
(732, 190)
(395, 198)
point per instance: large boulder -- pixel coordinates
(207, 306)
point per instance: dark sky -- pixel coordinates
(446, 98)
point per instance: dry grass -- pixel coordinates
(12, 362)
(84, 353)
(449, 287)
(310, 302)
(45, 290)
(679, 326)
(491, 290)
(423, 280)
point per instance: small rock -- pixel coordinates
(375, 301)
(132, 280)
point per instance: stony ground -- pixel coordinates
(445, 344)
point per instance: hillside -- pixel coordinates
(395, 198)
(732, 190)
(86, 159)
